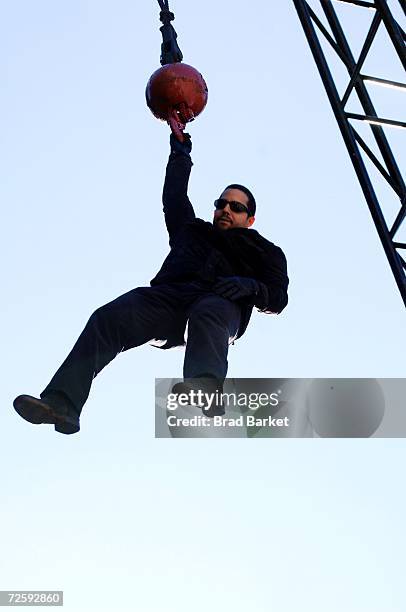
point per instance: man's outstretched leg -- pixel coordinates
(131, 320)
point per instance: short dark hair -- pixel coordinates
(252, 206)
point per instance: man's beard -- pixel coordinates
(227, 220)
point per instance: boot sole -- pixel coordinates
(38, 412)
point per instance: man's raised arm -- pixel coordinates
(177, 206)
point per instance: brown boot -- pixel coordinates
(48, 411)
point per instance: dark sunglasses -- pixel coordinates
(236, 207)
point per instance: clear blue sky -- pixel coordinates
(112, 516)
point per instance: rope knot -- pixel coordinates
(166, 17)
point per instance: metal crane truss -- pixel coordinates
(383, 17)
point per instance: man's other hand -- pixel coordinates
(184, 148)
(236, 287)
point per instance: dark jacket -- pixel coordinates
(201, 252)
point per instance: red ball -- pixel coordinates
(176, 88)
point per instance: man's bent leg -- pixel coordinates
(213, 322)
(128, 321)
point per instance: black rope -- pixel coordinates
(170, 52)
(166, 16)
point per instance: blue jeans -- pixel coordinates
(144, 314)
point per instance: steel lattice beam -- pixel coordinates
(314, 28)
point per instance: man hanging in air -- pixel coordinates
(212, 278)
